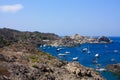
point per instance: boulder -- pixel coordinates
(82, 71)
(115, 68)
(104, 39)
(77, 37)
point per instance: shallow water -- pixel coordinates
(108, 54)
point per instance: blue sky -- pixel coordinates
(63, 17)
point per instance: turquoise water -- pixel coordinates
(108, 54)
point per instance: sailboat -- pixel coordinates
(88, 50)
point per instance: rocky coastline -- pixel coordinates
(77, 39)
(20, 59)
(115, 68)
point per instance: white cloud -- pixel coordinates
(11, 8)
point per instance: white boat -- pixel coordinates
(75, 59)
(59, 49)
(60, 54)
(67, 52)
(88, 50)
(44, 45)
(101, 69)
(97, 55)
(84, 49)
(115, 51)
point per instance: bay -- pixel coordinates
(108, 54)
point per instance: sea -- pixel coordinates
(107, 54)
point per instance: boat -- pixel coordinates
(97, 55)
(88, 50)
(84, 49)
(59, 49)
(44, 45)
(115, 51)
(75, 59)
(100, 69)
(67, 52)
(60, 54)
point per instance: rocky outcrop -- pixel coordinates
(26, 65)
(77, 39)
(82, 72)
(104, 39)
(115, 68)
(66, 41)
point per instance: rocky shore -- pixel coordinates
(20, 59)
(115, 68)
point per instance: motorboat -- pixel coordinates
(100, 69)
(59, 49)
(60, 54)
(75, 59)
(67, 52)
(84, 49)
(97, 55)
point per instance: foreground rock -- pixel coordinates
(20, 59)
(82, 72)
(115, 68)
(35, 65)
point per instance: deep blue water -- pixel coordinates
(107, 53)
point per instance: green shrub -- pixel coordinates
(34, 59)
(50, 56)
(35, 66)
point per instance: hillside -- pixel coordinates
(20, 59)
(9, 36)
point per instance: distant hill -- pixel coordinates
(9, 36)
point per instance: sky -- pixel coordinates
(62, 17)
